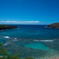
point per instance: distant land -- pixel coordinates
(3, 27)
(54, 25)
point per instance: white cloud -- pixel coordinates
(19, 22)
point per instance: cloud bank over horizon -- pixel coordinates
(19, 22)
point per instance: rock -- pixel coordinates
(54, 25)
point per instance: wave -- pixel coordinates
(9, 41)
(43, 40)
(36, 40)
(46, 40)
(6, 37)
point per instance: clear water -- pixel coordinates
(31, 40)
(36, 45)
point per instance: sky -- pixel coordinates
(29, 11)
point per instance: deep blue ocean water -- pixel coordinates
(32, 32)
(31, 38)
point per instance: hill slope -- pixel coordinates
(54, 25)
(3, 27)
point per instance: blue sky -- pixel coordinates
(29, 11)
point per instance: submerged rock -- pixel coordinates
(54, 25)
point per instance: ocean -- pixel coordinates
(35, 41)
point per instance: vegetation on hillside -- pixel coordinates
(2, 27)
(54, 25)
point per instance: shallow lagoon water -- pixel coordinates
(31, 40)
(36, 45)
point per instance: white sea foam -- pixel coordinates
(46, 40)
(6, 37)
(36, 40)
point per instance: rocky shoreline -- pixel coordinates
(3, 27)
(54, 25)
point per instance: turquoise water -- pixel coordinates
(36, 45)
(31, 40)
